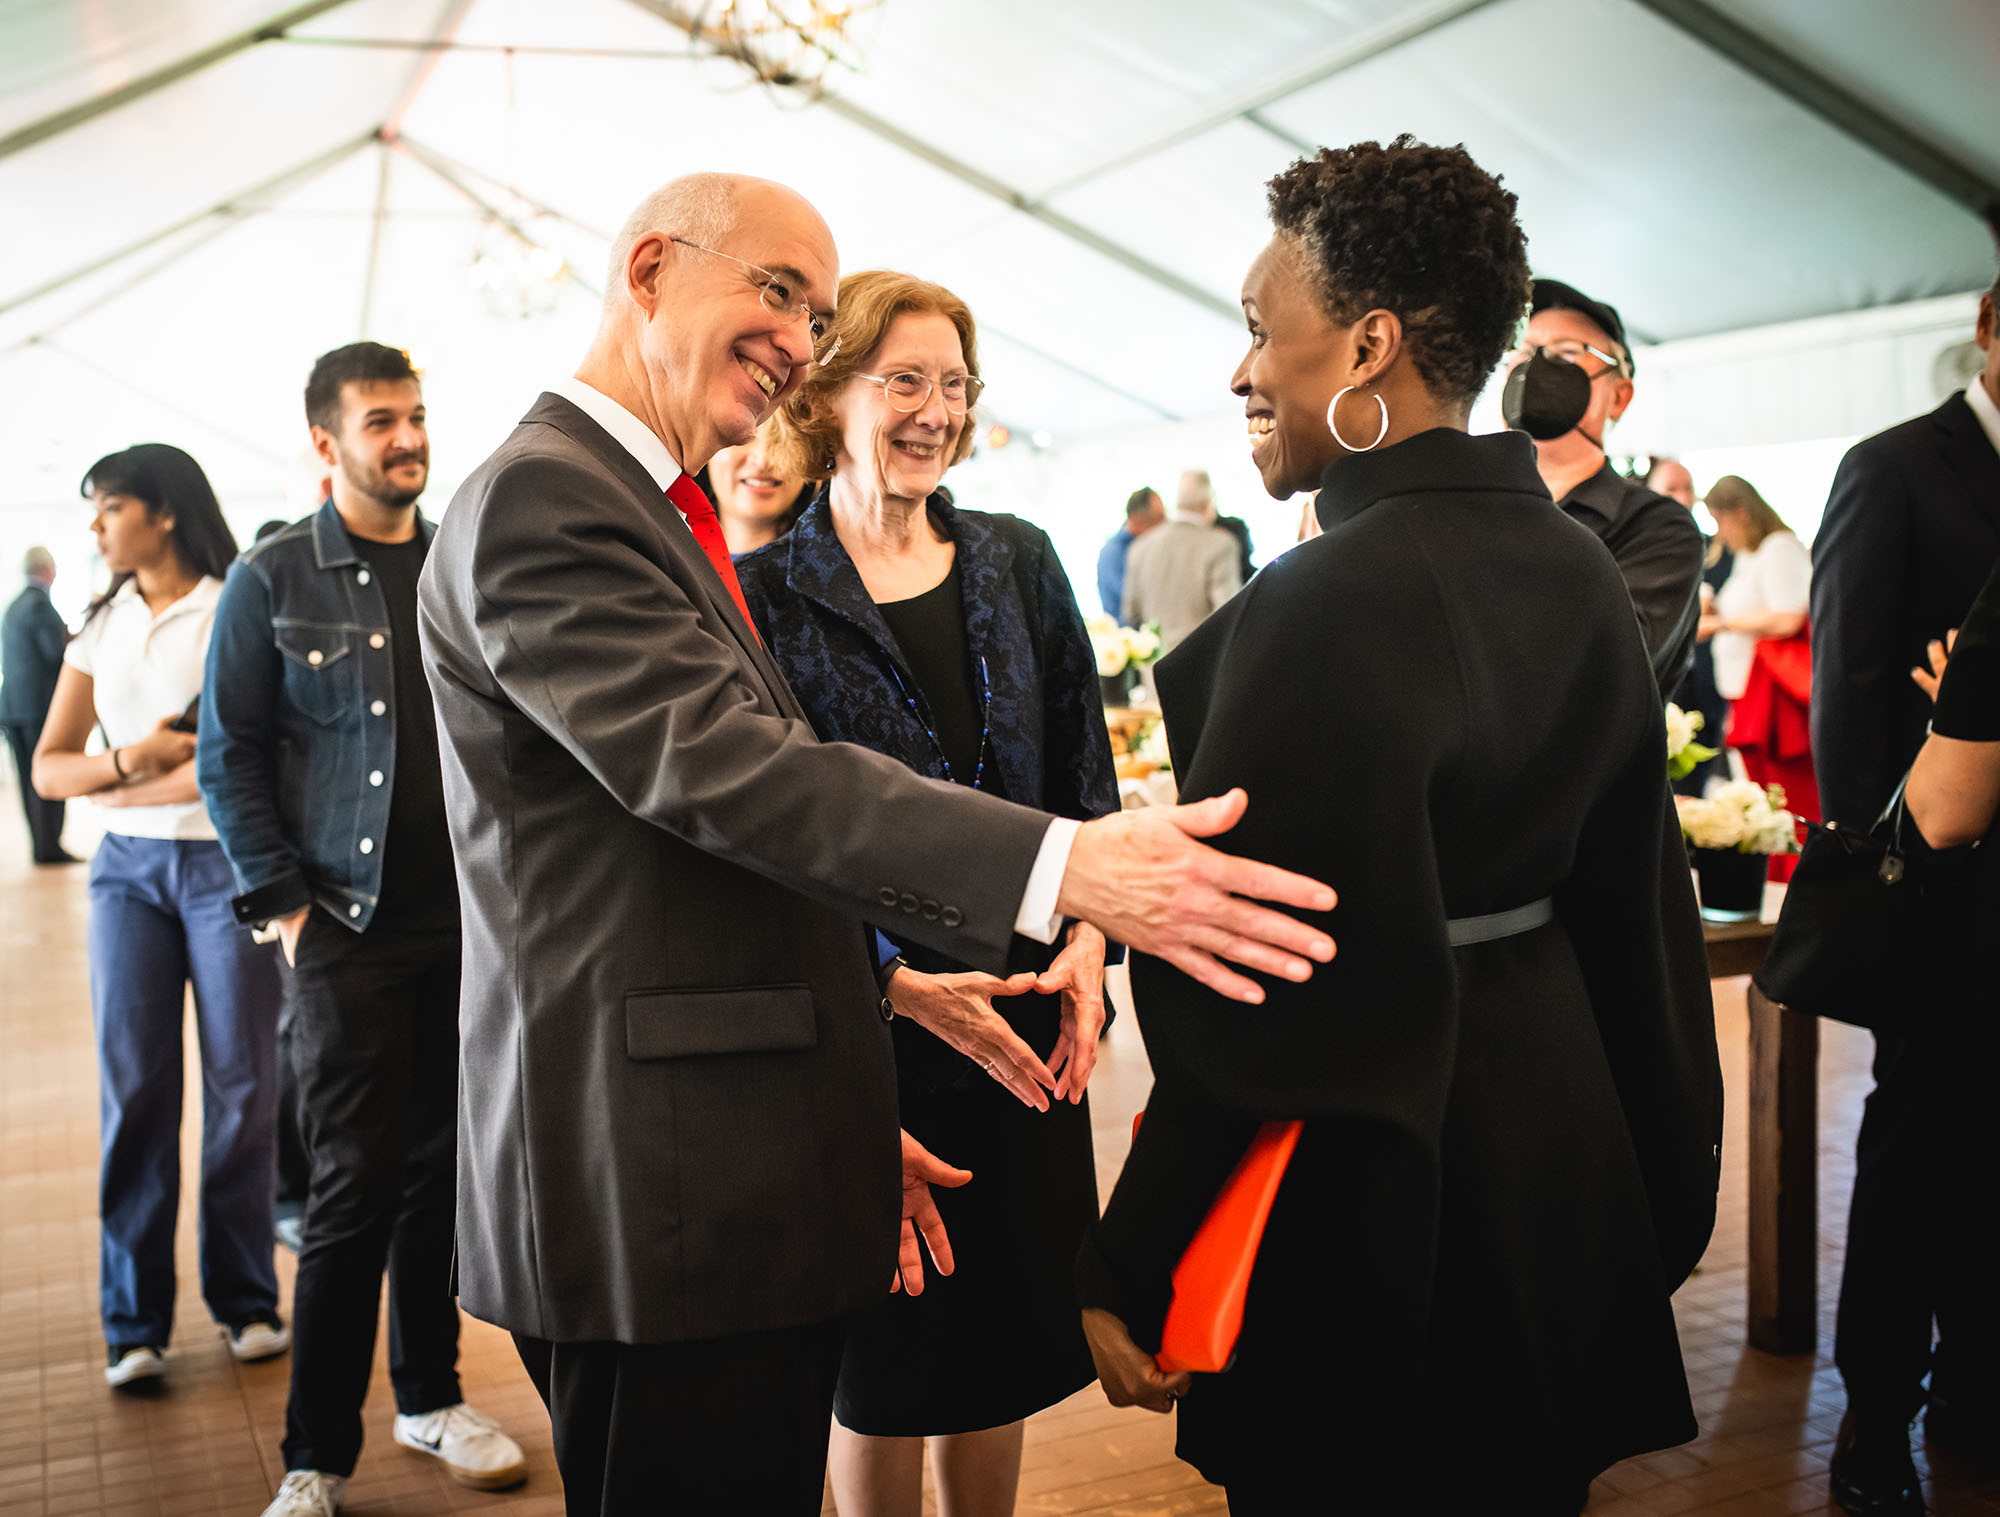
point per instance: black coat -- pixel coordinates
(1911, 530)
(1443, 707)
(31, 649)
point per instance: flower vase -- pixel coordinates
(1732, 883)
(1117, 688)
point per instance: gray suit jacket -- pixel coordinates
(677, 1113)
(1177, 575)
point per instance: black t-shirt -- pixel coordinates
(930, 632)
(419, 890)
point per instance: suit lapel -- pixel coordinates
(675, 534)
(1971, 455)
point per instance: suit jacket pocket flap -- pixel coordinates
(674, 1024)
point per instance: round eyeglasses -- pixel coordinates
(778, 295)
(908, 391)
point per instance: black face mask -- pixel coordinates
(1546, 398)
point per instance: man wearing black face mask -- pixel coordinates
(1570, 379)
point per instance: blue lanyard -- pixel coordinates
(985, 719)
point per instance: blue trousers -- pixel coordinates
(160, 917)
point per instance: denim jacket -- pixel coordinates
(296, 752)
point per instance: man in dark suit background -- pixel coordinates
(677, 1151)
(32, 636)
(1912, 529)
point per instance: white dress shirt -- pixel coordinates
(1038, 917)
(1984, 408)
(142, 668)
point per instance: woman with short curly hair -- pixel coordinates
(1507, 1080)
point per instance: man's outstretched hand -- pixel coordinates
(1142, 878)
(922, 1170)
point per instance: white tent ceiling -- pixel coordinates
(191, 215)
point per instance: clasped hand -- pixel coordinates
(959, 1009)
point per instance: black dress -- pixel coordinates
(986, 678)
(1443, 708)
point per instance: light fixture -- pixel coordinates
(515, 271)
(792, 42)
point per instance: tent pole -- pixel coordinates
(1370, 42)
(375, 241)
(110, 100)
(498, 216)
(232, 205)
(450, 19)
(1831, 103)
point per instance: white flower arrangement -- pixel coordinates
(1120, 648)
(1684, 754)
(1747, 817)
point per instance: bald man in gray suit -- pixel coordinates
(1179, 573)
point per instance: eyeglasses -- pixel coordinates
(909, 391)
(782, 301)
(1572, 350)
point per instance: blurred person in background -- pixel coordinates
(1144, 511)
(1178, 575)
(1763, 660)
(756, 501)
(951, 641)
(31, 648)
(160, 919)
(1911, 533)
(1570, 379)
(1670, 477)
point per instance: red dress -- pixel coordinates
(1770, 725)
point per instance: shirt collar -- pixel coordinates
(1984, 408)
(630, 433)
(1192, 518)
(206, 592)
(1606, 493)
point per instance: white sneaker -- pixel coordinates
(133, 1365)
(468, 1443)
(259, 1340)
(307, 1493)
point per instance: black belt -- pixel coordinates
(1501, 924)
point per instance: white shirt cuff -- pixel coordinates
(1038, 917)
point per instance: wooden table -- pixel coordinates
(1784, 1145)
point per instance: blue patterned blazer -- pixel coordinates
(1048, 744)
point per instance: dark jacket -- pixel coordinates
(1046, 715)
(1912, 528)
(1442, 707)
(31, 649)
(297, 746)
(677, 1117)
(1658, 550)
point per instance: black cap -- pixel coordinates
(1554, 295)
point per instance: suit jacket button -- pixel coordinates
(908, 903)
(951, 916)
(930, 911)
(886, 895)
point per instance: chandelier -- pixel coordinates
(516, 271)
(792, 42)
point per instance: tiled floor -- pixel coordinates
(209, 1442)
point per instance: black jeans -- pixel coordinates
(374, 1046)
(735, 1424)
(45, 818)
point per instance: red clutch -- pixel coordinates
(1213, 1276)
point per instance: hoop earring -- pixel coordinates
(1334, 427)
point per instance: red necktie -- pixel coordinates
(691, 503)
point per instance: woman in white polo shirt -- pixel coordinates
(160, 917)
(1766, 593)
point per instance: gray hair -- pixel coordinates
(38, 560)
(1194, 493)
(699, 207)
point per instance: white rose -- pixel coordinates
(1739, 795)
(1709, 824)
(1680, 730)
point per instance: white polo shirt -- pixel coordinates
(144, 667)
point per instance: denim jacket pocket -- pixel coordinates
(320, 669)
